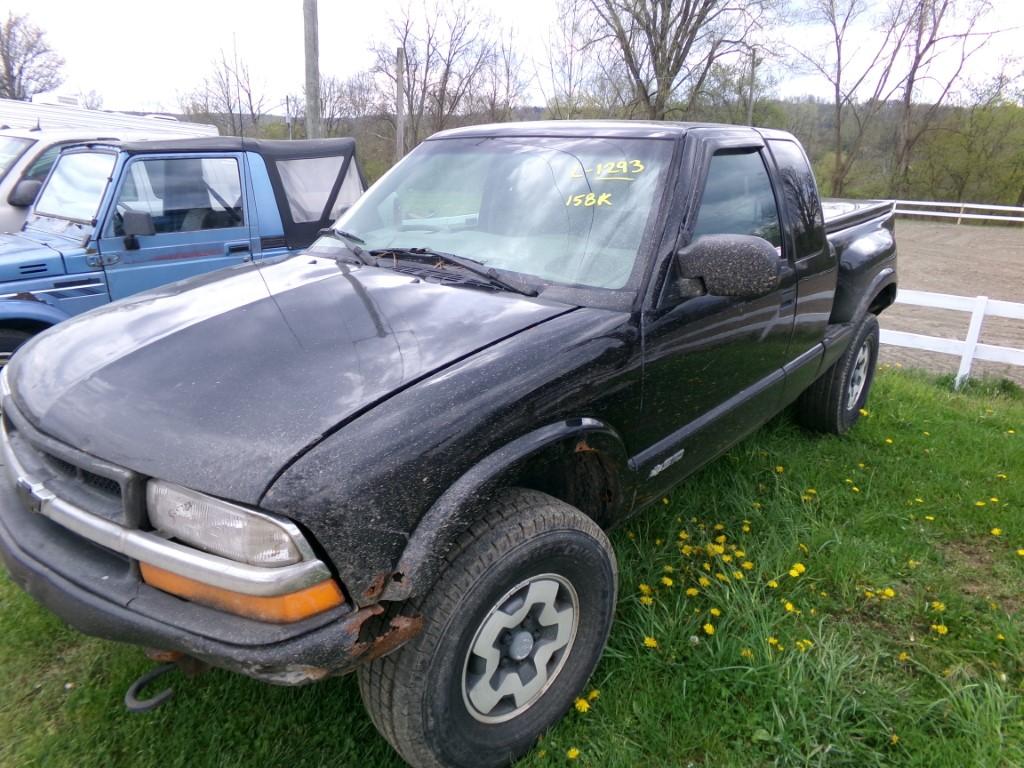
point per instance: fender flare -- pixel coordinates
(32, 310)
(422, 559)
(882, 280)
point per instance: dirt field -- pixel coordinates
(963, 260)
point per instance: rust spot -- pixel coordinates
(401, 629)
(373, 591)
(189, 665)
(583, 447)
(155, 654)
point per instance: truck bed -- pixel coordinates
(840, 213)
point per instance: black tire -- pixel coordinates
(829, 405)
(10, 340)
(417, 697)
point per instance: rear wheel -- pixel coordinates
(10, 340)
(514, 627)
(833, 402)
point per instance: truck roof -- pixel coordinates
(622, 129)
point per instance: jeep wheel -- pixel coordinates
(514, 627)
(833, 402)
(10, 340)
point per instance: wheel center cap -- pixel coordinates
(521, 645)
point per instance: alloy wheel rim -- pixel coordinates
(520, 648)
(859, 376)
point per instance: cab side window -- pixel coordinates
(183, 194)
(738, 199)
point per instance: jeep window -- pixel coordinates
(738, 199)
(801, 195)
(41, 165)
(350, 190)
(186, 194)
(570, 211)
(76, 186)
(11, 148)
(307, 185)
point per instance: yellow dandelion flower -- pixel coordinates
(773, 641)
(719, 527)
(668, 569)
(692, 592)
(1000, 475)
(664, 500)
(994, 499)
(779, 469)
(904, 657)
(773, 584)
(894, 739)
(805, 497)
(913, 563)
(855, 489)
(929, 518)
(572, 753)
(721, 577)
(756, 505)
(739, 553)
(658, 542)
(646, 600)
(918, 500)
(630, 535)
(686, 550)
(790, 608)
(888, 593)
(747, 565)
(940, 629)
(864, 412)
(997, 531)
(979, 503)
(683, 535)
(738, 575)
(716, 612)
(666, 581)
(726, 558)
(888, 441)
(594, 695)
(704, 581)
(746, 653)
(848, 481)
(582, 706)
(745, 528)
(868, 594)
(938, 606)
(1020, 552)
(645, 589)
(1000, 636)
(650, 642)
(709, 629)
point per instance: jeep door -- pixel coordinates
(197, 205)
(713, 365)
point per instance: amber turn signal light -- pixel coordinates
(280, 609)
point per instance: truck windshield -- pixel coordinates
(76, 186)
(11, 148)
(565, 210)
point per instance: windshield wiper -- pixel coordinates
(352, 241)
(470, 265)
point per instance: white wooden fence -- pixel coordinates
(1008, 214)
(970, 349)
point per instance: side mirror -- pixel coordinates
(743, 266)
(25, 193)
(135, 223)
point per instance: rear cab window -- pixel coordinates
(800, 193)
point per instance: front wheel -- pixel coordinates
(833, 402)
(513, 628)
(10, 340)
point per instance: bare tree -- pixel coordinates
(501, 84)
(30, 66)
(567, 66)
(668, 47)
(851, 72)
(446, 49)
(227, 98)
(930, 37)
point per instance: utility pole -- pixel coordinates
(753, 76)
(399, 104)
(309, 15)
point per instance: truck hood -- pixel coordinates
(216, 383)
(27, 255)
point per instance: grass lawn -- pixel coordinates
(868, 591)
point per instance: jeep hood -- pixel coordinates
(26, 255)
(217, 383)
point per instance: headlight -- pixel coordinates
(222, 528)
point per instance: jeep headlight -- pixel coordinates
(222, 528)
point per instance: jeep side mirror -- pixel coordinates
(135, 223)
(742, 266)
(25, 193)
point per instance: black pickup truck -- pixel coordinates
(398, 451)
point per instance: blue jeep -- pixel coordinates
(113, 219)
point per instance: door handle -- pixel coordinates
(238, 247)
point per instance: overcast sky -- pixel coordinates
(142, 55)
